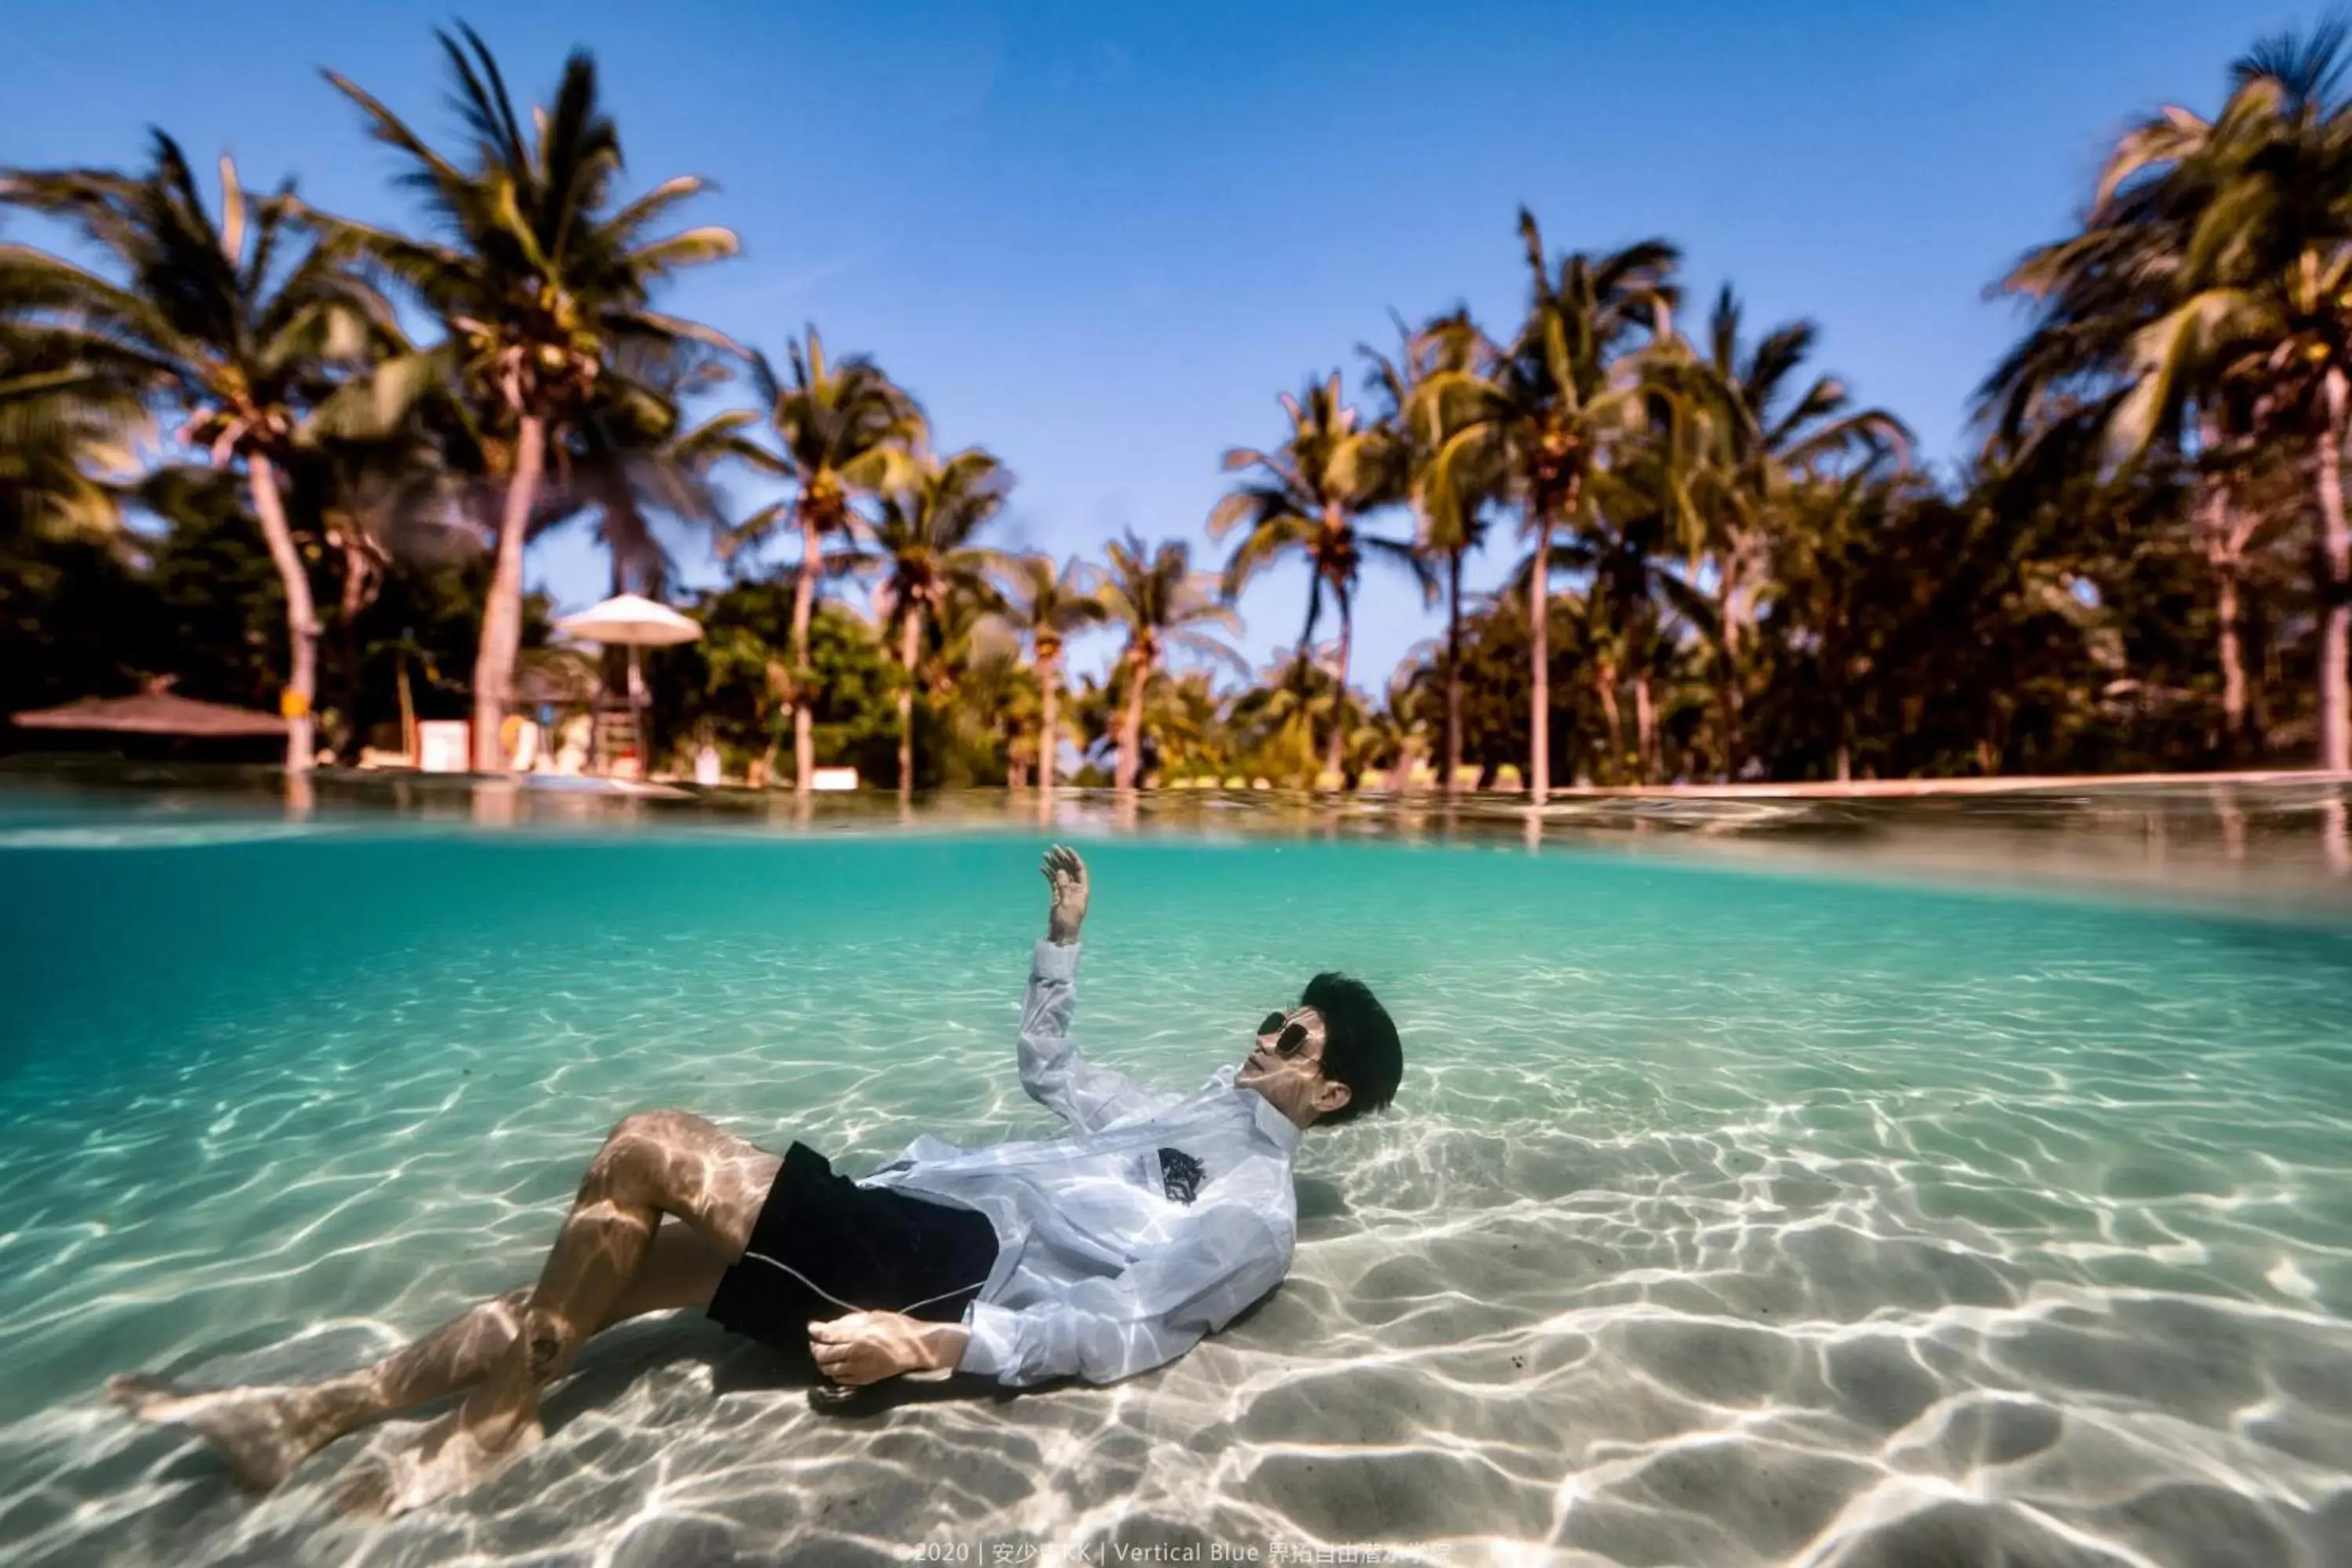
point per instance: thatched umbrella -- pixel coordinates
(155, 711)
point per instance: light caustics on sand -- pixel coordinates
(1725, 1219)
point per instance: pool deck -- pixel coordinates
(1999, 784)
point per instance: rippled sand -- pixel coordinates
(1723, 1219)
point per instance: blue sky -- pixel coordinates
(1101, 238)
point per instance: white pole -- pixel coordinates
(639, 707)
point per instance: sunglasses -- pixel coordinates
(1291, 1038)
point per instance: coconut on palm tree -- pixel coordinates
(542, 279)
(219, 326)
(844, 430)
(921, 545)
(1541, 415)
(1306, 499)
(1048, 605)
(1164, 606)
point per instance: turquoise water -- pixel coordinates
(1727, 1216)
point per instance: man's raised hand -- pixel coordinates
(1066, 875)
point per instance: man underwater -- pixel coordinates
(1112, 1249)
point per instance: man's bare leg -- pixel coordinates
(610, 1263)
(261, 1433)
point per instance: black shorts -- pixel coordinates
(823, 1245)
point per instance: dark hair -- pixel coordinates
(1360, 1047)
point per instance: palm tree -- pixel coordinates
(1396, 733)
(71, 406)
(222, 327)
(543, 283)
(1820, 557)
(1633, 598)
(2208, 296)
(922, 547)
(845, 430)
(1280, 714)
(1313, 489)
(1624, 549)
(1164, 605)
(1444, 532)
(1757, 441)
(634, 461)
(1185, 718)
(1538, 419)
(1049, 607)
(372, 502)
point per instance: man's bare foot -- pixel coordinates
(441, 1461)
(260, 1433)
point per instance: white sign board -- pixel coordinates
(442, 748)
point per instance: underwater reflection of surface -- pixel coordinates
(2274, 838)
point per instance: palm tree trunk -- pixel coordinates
(1539, 666)
(1645, 727)
(1453, 667)
(2261, 674)
(2334, 697)
(1605, 680)
(1333, 756)
(408, 711)
(357, 593)
(1728, 670)
(301, 614)
(2233, 663)
(502, 613)
(2223, 562)
(1049, 723)
(1130, 729)
(910, 637)
(804, 604)
(1833, 678)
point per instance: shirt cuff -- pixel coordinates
(1051, 960)
(991, 1348)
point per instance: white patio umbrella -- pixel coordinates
(634, 622)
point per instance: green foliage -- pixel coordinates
(193, 596)
(733, 687)
(77, 619)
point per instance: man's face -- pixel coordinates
(1285, 1063)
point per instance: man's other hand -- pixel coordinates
(866, 1347)
(1066, 875)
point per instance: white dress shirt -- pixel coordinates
(1122, 1244)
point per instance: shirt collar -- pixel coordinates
(1280, 1129)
